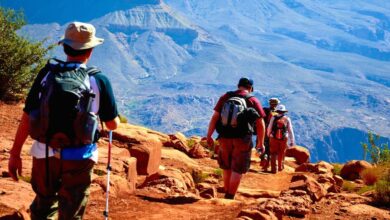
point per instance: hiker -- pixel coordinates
(279, 131)
(234, 118)
(269, 112)
(60, 114)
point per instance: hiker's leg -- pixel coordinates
(273, 153)
(234, 183)
(242, 148)
(267, 154)
(225, 160)
(45, 204)
(282, 153)
(74, 191)
(226, 179)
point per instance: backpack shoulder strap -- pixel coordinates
(93, 70)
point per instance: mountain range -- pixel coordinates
(169, 61)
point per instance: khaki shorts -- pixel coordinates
(235, 154)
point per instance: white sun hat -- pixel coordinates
(281, 108)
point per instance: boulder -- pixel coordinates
(339, 180)
(179, 142)
(119, 186)
(207, 191)
(295, 203)
(15, 197)
(169, 186)
(131, 169)
(144, 144)
(118, 156)
(305, 167)
(301, 154)
(198, 151)
(180, 160)
(172, 178)
(323, 167)
(258, 193)
(352, 169)
(303, 182)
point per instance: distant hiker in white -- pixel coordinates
(279, 131)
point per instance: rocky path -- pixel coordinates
(187, 188)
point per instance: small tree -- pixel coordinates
(20, 59)
(379, 153)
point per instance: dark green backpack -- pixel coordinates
(64, 118)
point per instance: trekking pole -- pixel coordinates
(105, 213)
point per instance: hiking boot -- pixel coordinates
(229, 196)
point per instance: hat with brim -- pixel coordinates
(80, 36)
(281, 108)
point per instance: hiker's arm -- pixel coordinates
(112, 124)
(291, 133)
(213, 122)
(269, 129)
(15, 162)
(260, 128)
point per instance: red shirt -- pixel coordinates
(252, 102)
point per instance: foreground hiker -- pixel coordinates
(279, 131)
(269, 113)
(235, 115)
(60, 114)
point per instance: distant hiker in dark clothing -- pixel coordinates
(234, 118)
(61, 114)
(279, 131)
(269, 112)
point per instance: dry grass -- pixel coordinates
(371, 176)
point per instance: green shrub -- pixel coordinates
(379, 153)
(349, 186)
(366, 189)
(218, 172)
(382, 188)
(122, 119)
(191, 143)
(20, 59)
(337, 168)
(199, 176)
(370, 176)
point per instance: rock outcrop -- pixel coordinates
(352, 169)
(301, 154)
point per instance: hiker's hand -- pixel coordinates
(15, 166)
(210, 141)
(260, 148)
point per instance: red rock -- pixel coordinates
(198, 151)
(305, 167)
(118, 185)
(301, 154)
(257, 214)
(334, 189)
(179, 142)
(323, 167)
(352, 169)
(131, 164)
(339, 180)
(309, 184)
(171, 177)
(148, 156)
